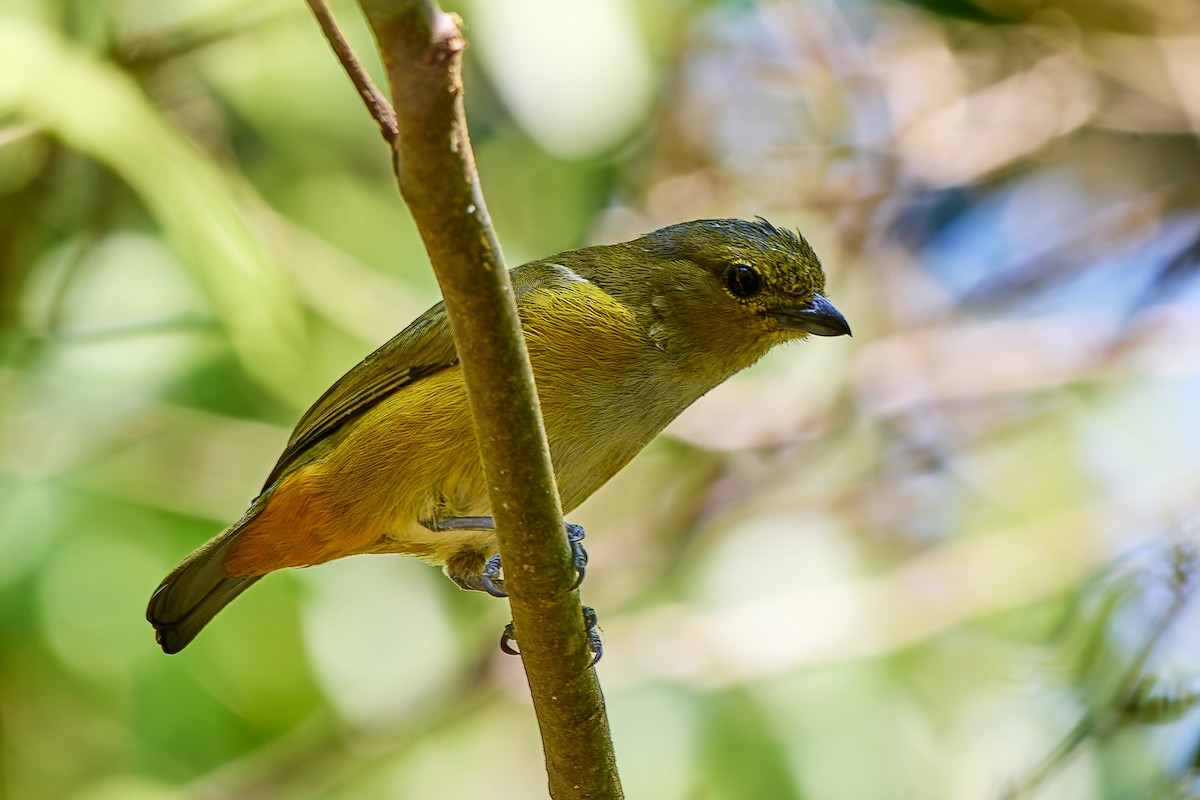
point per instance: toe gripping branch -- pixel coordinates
(494, 585)
(489, 579)
(491, 582)
(579, 556)
(590, 624)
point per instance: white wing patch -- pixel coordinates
(569, 274)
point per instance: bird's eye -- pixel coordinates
(742, 280)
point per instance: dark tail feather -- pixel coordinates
(195, 591)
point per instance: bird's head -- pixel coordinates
(733, 289)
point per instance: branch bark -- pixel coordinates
(377, 104)
(421, 47)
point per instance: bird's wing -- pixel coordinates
(423, 348)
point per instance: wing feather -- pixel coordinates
(422, 349)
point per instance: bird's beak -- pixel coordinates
(818, 317)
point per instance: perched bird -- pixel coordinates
(622, 338)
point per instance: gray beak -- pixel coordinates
(817, 317)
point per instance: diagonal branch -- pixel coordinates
(422, 47)
(381, 110)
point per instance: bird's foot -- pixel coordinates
(579, 556)
(489, 579)
(493, 584)
(590, 625)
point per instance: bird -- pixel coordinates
(621, 338)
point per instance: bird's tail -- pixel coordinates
(197, 589)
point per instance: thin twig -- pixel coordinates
(381, 110)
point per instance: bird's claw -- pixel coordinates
(507, 639)
(579, 556)
(491, 581)
(590, 625)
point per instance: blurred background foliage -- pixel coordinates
(950, 558)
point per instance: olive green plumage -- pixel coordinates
(622, 338)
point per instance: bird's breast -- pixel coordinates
(605, 393)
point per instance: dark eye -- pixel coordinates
(742, 280)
